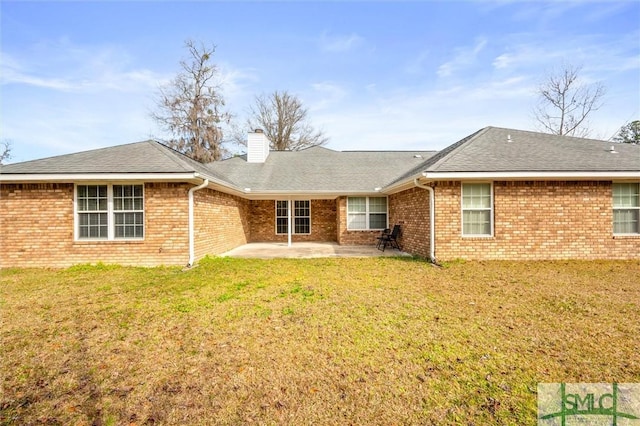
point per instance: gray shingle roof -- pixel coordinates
(140, 157)
(495, 149)
(320, 169)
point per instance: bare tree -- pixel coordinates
(285, 122)
(5, 150)
(565, 103)
(191, 106)
(629, 133)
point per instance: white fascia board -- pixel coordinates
(99, 177)
(195, 178)
(307, 195)
(531, 175)
(440, 176)
(401, 186)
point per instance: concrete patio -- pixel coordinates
(305, 250)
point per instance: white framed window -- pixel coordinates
(367, 213)
(477, 210)
(92, 208)
(626, 208)
(109, 212)
(300, 216)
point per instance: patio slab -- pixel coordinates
(304, 250)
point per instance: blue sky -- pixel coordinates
(374, 75)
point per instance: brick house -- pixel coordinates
(496, 194)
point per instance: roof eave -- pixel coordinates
(408, 183)
(306, 194)
(402, 185)
(533, 175)
(96, 177)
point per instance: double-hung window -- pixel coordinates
(477, 209)
(92, 211)
(109, 212)
(626, 208)
(301, 217)
(366, 213)
(128, 211)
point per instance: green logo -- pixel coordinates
(566, 404)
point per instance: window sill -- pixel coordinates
(118, 241)
(625, 236)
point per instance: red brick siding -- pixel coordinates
(37, 228)
(536, 220)
(410, 210)
(263, 222)
(221, 222)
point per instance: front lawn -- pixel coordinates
(321, 341)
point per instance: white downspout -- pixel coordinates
(432, 219)
(289, 223)
(192, 249)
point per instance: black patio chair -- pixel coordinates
(383, 235)
(390, 239)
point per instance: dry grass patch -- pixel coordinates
(322, 341)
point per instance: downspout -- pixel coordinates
(289, 231)
(432, 219)
(192, 250)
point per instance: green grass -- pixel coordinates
(320, 341)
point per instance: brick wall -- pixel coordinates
(410, 210)
(536, 220)
(263, 222)
(221, 222)
(351, 238)
(37, 228)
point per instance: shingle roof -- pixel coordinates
(139, 157)
(320, 169)
(494, 149)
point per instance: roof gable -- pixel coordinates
(495, 149)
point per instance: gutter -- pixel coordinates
(192, 250)
(432, 219)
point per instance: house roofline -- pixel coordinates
(408, 183)
(534, 175)
(192, 177)
(307, 195)
(96, 177)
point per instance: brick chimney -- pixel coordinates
(257, 147)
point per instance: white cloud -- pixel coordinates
(340, 43)
(237, 83)
(463, 58)
(591, 51)
(64, 67)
